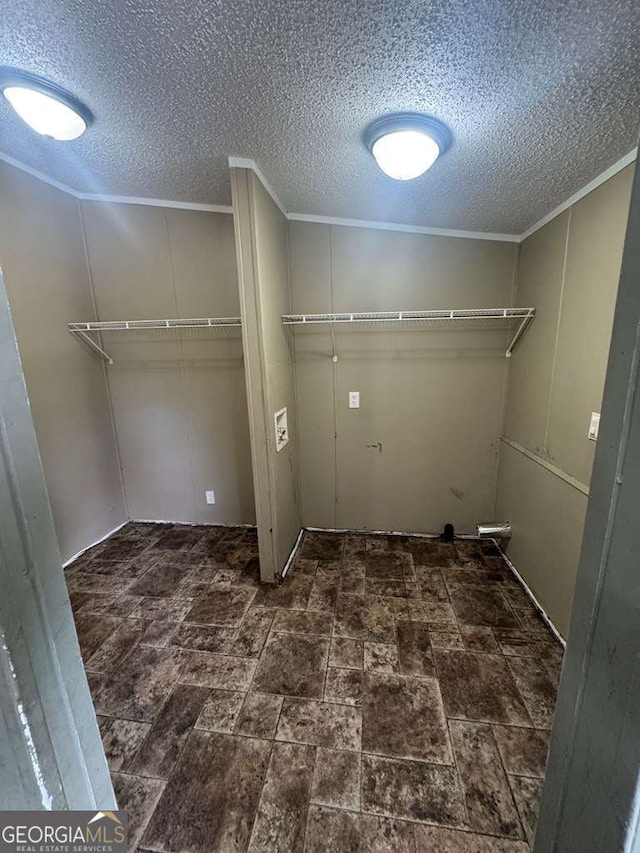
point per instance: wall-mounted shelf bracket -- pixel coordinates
(334, 351)
(85, 338)
(526, 322)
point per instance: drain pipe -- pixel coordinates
(495, 530)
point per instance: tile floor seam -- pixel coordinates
(133, 757)
(417, 822)
(175, 763)
(458, 775)
(319, 746)
(455, 757)
(148, 820)
(506, 775)
(259, 798)
(396, 757)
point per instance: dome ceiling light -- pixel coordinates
(44, 106)
(405, 145)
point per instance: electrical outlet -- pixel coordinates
(210, 497)
(354, 399)
(594, 426)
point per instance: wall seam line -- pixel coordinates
(105, 372)
(292, 352)
(183, 371)
(334, 381)
(505, 382)
(547, 420)
(548, 466)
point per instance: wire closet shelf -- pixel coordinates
(84, 330)
(517, 319)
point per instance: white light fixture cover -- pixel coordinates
(44, 106)
(405, 145)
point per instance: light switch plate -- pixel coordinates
(210, 497)
(354, 399)
(594, 426)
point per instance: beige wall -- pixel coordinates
(43, 260)
(179, 401)
(569, 271)
(432, 399)
(263, 254)
(178, 397)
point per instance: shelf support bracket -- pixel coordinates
(526, 322)
(88, 340)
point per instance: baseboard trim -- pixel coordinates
(154, 521)
(301, 532)
(93, 544)
(193, 523)
(361, 532)
(540, 609)
(292, 554)
(532, 598)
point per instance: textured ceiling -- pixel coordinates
(541, 96)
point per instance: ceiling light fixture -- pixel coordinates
(405, 145)
(44, 106)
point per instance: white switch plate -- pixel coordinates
(594, 426)
(354, 399)
(210, 497)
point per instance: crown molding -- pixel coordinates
(156, 202)
(17, 164)
(409, 229)
(244, 163)
(112, 199)
(478, 235)
(622, 163)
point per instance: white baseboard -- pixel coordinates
(302, 531)
(152, 521)
(292, 555)
(386, 533)
(519, 577)
(532, 597)
(93, 544)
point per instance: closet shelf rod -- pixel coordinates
(83, 330)
(133, 325)
(410, 316)
(524, 315)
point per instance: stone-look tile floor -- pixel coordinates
(393, 694)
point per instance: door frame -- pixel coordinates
(52, 754)
(590, 800)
